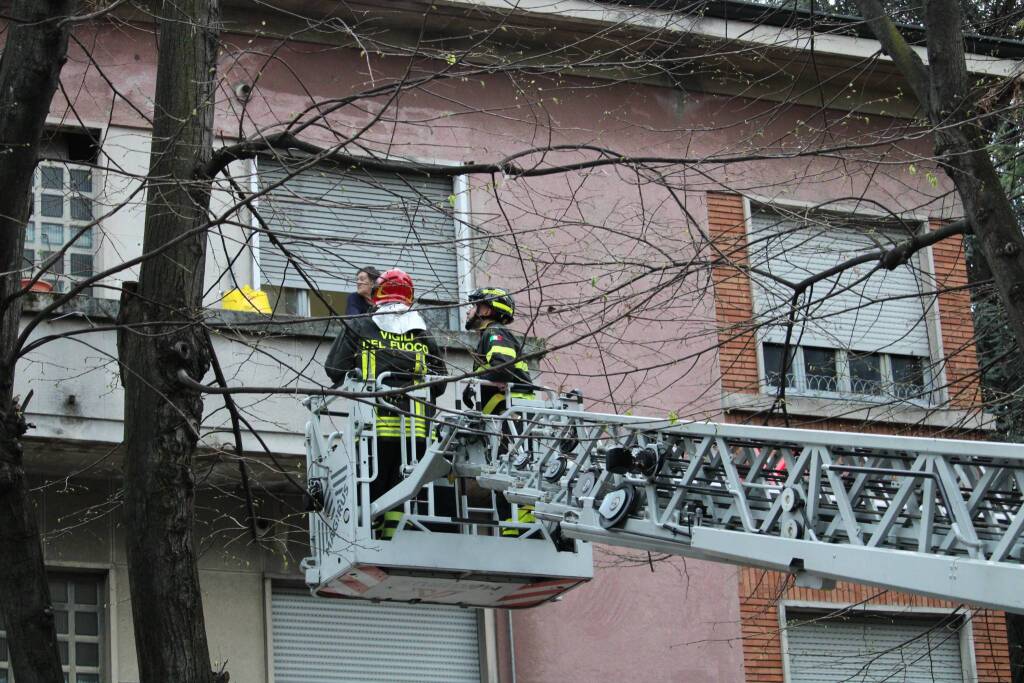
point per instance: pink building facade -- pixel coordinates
(611, 263)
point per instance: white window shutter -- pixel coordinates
(334, 222)
(877, 648)
(882, 313)
(335, 641)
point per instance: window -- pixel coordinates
(865, 373)
(859, 646)
(329, 222)
(371, 641)
(862, 332)
(78, 611)
(907, 374)
(63, 197)
(773, 365)
(837, 372)
(820, 369)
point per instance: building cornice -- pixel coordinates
(895, 413)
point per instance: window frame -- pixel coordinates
(63, 276)
(844, 382)
(969, 665)
(490, 640)
(463, 238)
(936, 392)
(106, 615)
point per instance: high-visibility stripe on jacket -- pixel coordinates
(504, 354)
(499, 346)
(392, 424)
(495, 402)
(373, 351)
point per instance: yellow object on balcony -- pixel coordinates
(246, 299)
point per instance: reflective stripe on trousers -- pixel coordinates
(388, 526)
(525, 516)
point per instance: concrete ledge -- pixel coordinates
(864, 411)
(87, 308)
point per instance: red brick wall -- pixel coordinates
(957, 325)
(760, 590)
(734, 307)
(737, 353)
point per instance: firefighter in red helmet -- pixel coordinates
(392, 339)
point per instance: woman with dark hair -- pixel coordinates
(361, 301)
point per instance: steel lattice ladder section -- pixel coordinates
(933, 516)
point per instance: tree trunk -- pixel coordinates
(35, 51)
(162, 418)
(962, 148)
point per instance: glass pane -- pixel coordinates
(28, 258)
(81, 208)
(58, 591)
(85, 592)
(60, 620)
(62, 645)
(84, 240)
(87, 624)
(87, 678)
(30, 232)
(865, 373)
(3, 649)
(907, 376)
(81, 265)
(773, 365)
(52, 234)
(51, 205)
(81, 180)
(87, 654)
(318, 302)
(820, 369)
(52, 177)
(284, 300)
(3, 676)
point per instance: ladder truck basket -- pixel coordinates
(434, 537)
(497, 510)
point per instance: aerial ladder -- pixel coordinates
(534, 487)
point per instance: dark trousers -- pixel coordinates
(389, 465)
(389, 475)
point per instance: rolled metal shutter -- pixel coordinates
(334, 222)
(884, 313)
(337, 641)
(874, 649)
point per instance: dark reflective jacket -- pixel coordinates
(364, 346)
(499, 346)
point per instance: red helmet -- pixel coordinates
(393, 286)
